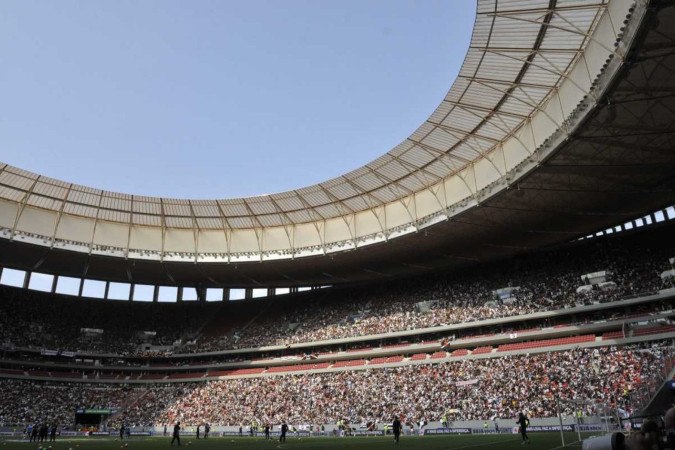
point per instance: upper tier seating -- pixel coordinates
(545, 280)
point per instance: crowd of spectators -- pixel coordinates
(541, 281)
(29, 320)
(464, 389)
(29, 360)
(544, 281)
(473, 389)
(32, 402)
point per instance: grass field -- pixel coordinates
(539, 441)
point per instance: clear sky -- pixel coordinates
(213, 99)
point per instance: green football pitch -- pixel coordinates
(539, 441)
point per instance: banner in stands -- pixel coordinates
(140, 433)
(368, 433)
(597, 427)
(246, 433)
(303, 433)
(94, 411)
(74, 433)
(448, 431)
(535, 428)
(466, 382)
(289, 433)
(97, 411)
(101, 433)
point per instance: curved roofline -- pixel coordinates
(528, 69)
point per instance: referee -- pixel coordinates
(523, 421)
(176, 433)
(396, 428)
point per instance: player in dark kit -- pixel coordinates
(198, 426)
(176, 433)
(44, 431)
(284, 429)
(267, 432)
(523, 421)
(207, 429)
(396, 428)
(52, 433)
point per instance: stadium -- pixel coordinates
(514, 255)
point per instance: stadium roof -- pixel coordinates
(536, 70)
(521, 51)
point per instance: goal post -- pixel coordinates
(575, 407)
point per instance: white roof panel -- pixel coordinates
(44, 202)
(261, 206)
(147, 220)
(178, 222)
(272, 220)
(80, 210)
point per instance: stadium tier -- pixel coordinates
(406, 309)
(472, 389)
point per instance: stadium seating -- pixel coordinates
(152, 376)
(350, 363)
(653, 330)
(547, 343)
(321, 397)
(158, 386)
(546, 281)
(481, 350)
(612, 335)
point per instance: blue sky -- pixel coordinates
(212, 99)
